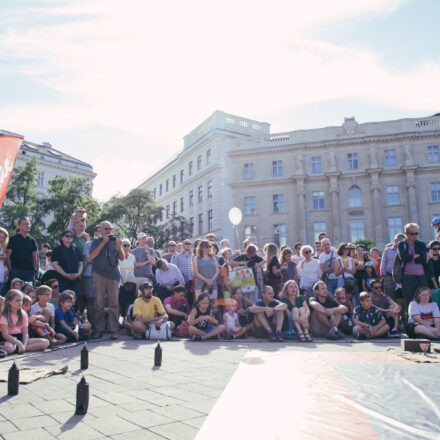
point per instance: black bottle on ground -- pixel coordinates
(84, 358)
(158, 355)
(13, 380)
(82, 397)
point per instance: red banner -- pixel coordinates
(9, 148)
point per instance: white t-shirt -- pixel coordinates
(309, 272)
(427, 313)
(325, 260)
(126, 267)
(36, 309)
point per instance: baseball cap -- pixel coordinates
(141, 235)
(435, 221)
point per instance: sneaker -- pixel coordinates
(114, 335)
(331, 334)
(394, 333)
(196, 338)
(339, 334)
(137, 336)
(272, 336)
(280, 336)
(3, 353)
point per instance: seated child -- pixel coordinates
(233, 328)
(14, 326)
(66, 322)
(33, 296)
(368, 321)
(341, 298)
(42, 319)
(17, 284)
(78, 215)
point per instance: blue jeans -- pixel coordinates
(332, 285)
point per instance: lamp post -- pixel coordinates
(235, 216)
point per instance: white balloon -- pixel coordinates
(235, 216)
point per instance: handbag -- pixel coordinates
(397, 270)
(183, 330)
(162, 333)
(351, 282)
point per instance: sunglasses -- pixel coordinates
(376, 287)
(307, 252)
(126, 245)
(413, 233)
(171, 245)
(68, 235)
(436, 249)
(189, 244)
(351, 249)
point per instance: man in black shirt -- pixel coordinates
(326, 313)
(22, 253)
(434, 264)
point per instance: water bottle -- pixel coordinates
(85, 319)
(82, 397)
(158, 355)
(13, 380)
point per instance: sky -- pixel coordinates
(118, 83)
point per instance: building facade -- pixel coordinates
(195, 182)
(352, 181)
(51, 163)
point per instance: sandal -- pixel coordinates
(308, 337)
(301, 337)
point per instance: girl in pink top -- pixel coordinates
(14, 326)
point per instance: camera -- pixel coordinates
(112, 237)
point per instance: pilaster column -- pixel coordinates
(336, 212)
(411, 187)
(377, 208)
(302, 214)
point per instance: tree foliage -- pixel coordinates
(133, 213)
(22, 200)
(367, 242)
(65, 194)
(176, 228)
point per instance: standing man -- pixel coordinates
(22, 252)
(79, 240)
(413, 254)
(105, 253)
(327, 260)
(387, 264)
(143, 267)
(183, 262)
(171, 251)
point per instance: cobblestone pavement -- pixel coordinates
(129, 398)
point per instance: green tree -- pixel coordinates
(367, 242)
(22, 201)
(132, 213)
(65, 193)
(176, 228)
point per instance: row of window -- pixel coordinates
(357, 230)
(352, 162)
(354, 199)
(172, 209)
(200, 224)
(172, 183)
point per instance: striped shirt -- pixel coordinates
(183, 262)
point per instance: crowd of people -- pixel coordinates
(201, 290)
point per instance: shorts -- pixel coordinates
(208, 330)
(411, 330)
(18, 336)
(69, 338)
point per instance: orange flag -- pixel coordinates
(9, 148)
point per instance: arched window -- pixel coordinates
(354, 197)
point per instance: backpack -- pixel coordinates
(163, 333)
(397, 270)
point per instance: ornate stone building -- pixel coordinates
(351, 181)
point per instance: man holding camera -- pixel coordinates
(105, 253)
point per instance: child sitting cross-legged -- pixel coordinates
(66, 322)
(42, 316)
(14, 326)
(233, 328)
(368, 321)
